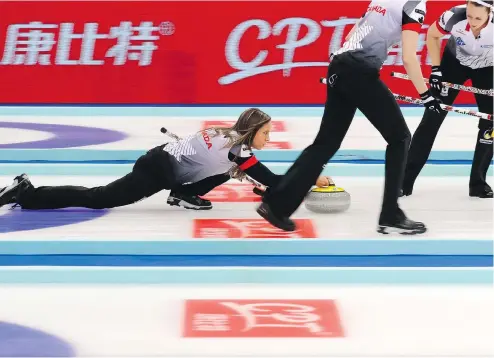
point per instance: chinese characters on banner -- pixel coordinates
(31, 44)
(165, 53)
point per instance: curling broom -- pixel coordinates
(443, 106)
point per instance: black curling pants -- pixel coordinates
(151, 173)
(203, 186)
(350, 87)
(424, 136)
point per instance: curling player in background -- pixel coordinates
(468, 56)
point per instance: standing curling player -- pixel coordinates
(353, 83)
(468, 55)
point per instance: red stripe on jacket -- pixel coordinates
(248, 163)
(412, 27)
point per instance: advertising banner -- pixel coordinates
(181, 52)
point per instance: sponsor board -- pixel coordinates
(169, 52)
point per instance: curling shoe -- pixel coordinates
(283, 223)
(9, 193)
(188, 201)
(400, 225)
(485, 193)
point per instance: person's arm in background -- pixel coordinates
(434, 36)
(412, 20)
(248, 163)
(436, 31)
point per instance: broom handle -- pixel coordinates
(487, 92)
(443, 106)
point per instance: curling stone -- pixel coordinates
(330, 199)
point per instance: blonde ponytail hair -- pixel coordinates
(242, 133)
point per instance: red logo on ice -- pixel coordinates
(262, 318)
(238, 193)
(250, 229)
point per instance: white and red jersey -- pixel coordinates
(207, 153)
(471, 51)
(380, 28)
(202, 155)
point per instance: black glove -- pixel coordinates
(436, 81)
(430, 102)
(258, 191)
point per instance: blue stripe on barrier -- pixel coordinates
(248, 260)
(333, 169)
(139, 246)
(129, 156)
(229, 275)
(350, 170)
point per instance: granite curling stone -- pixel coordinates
(330, 199)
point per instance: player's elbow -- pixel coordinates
(434, 33)
(409, 60)
(409, 56)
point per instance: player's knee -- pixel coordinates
(407, 138)
(400, 139)
(433, 120)
(484, 124)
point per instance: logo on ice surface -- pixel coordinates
(32, 43)
(262, 318)
(233, 193)
(250, 229)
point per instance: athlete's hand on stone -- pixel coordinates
(324, 181)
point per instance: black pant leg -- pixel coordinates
(388, 119)
(142, 182)
(203, 186)
(425, 134)
(482, 78)
(286, 197)
(126, 190)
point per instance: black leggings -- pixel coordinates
(424, 136)
(151, 173)
(353, 87)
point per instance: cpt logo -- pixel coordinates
(249, 229)
(262, 319)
